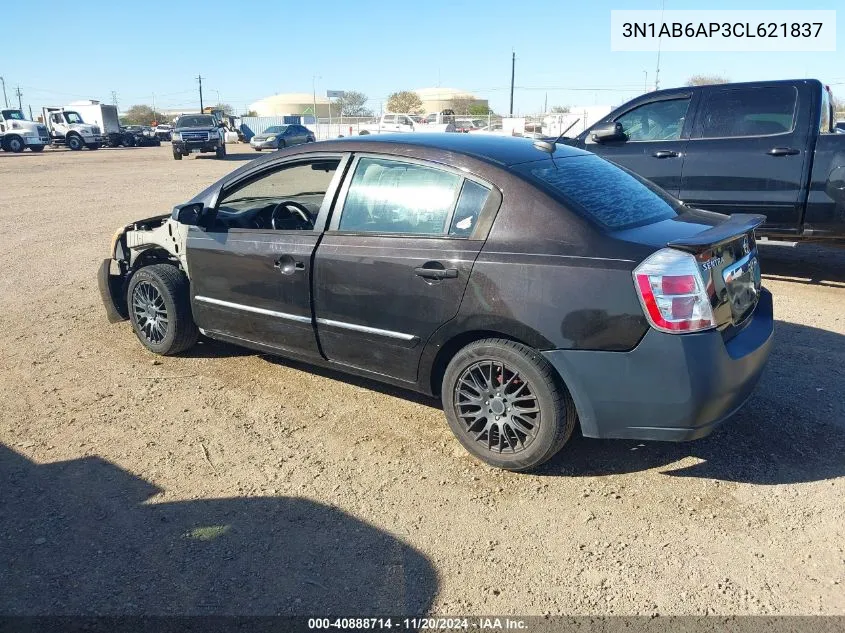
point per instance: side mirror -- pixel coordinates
(191, 214)
(608, 132)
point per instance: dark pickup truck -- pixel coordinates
(767, 147)
(197, 133)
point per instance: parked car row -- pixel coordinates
(65, 126)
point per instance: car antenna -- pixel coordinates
(549, 146)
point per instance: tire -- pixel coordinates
(163, 290)
(257, 149)
(310, 139)
(93, 146)
(220, 152)
(281, 145)
(506, 442)
(363, 133)
(15, 144)
(177, 155)
(128, 140)
(36, 148)
(74, 142)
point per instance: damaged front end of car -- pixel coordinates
(159, 239)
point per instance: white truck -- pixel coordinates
(392, 122)
(67, 127)
(17, 132)
(105, 117)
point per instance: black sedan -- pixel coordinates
(531, 286)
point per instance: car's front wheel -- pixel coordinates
(75, 142)
(177, 155)
(15, 144)
(506, 404)
(159, 303)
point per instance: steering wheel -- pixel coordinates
(288, 209)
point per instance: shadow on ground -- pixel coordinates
(78, 538)
(791, 430)
(230, 157)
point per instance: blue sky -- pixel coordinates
(248, 50)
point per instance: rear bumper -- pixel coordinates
(669, 387)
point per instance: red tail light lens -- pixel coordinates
(673, 293)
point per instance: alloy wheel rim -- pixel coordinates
(497, 407)
(150, 312)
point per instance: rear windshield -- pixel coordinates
(612, 197)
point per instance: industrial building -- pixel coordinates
(439, 99)
(291, 103)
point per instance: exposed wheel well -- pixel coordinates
(456, 344)
(155, 255)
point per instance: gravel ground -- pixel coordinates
(226, 481)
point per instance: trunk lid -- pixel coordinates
(727, 259)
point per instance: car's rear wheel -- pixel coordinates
(177, 155)
(160, 309)
(506, 404)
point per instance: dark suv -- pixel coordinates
(531, 286)
(197, 133)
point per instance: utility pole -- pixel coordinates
(659, 41)
(199, 79)
(5, 98)
(513, 72)
(546, 104)
(645, 82)
(314, 89)
(114, 98)
(30, 113)
(18, 92)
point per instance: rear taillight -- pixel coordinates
(673, 293)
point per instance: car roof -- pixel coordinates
(503, 150)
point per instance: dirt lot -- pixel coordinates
(226, 481)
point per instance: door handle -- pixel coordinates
(436, 273)
(782, 151)
(287, 265)
(665, 153)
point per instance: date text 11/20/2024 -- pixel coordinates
(418, 624)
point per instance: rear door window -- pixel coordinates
(389, 196)
(739, 112)
(605, 194)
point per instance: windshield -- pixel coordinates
(276, 129)
(608, 195)
(73, 117)
(196, 120)
(16, 115)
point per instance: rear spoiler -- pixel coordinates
(736, 224)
